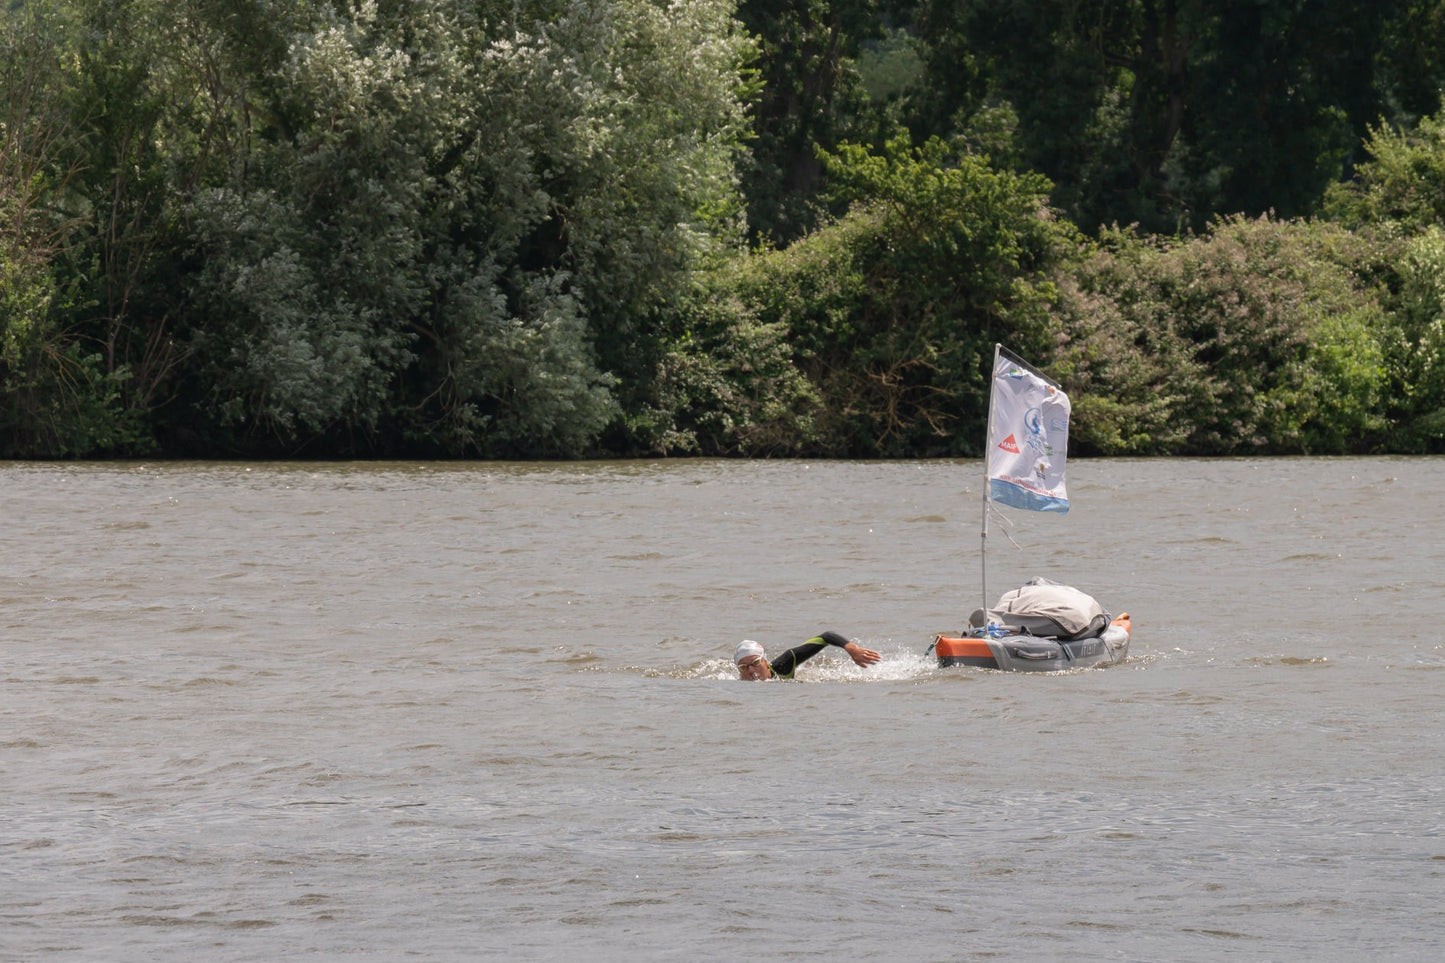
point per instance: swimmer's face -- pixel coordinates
(754, 669)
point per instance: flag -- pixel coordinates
(1028, 433)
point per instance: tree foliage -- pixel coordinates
(1258, 337)
(56, 395)
(1168, 112)
(1398, 199)
(434, 225)
(551, 228)
(809, 97)
(1414, 345)
(892, 310)
(1401, 183)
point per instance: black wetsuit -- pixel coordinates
(786, 664)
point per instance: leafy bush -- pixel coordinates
(1397, 198)
(1116, 354)
(727, 384)
(1258, 337)
(1415, 345)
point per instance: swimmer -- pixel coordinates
(754, 666)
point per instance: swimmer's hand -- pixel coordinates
(861, 656)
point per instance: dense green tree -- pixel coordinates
(138, 112)
(451, 233)
(307, 254)
(638, 175)
(56, 394)
(809, 97)
(1411, 69)
(1167, 112)
(151, 99)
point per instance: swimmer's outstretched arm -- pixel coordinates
(859, 655)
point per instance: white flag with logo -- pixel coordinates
(1028, 434)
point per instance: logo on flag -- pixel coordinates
(1009, 445)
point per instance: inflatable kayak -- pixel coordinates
(996, 647)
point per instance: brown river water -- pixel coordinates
(485, 711)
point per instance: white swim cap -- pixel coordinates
(747, 649)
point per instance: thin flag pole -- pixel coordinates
(988, 441)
